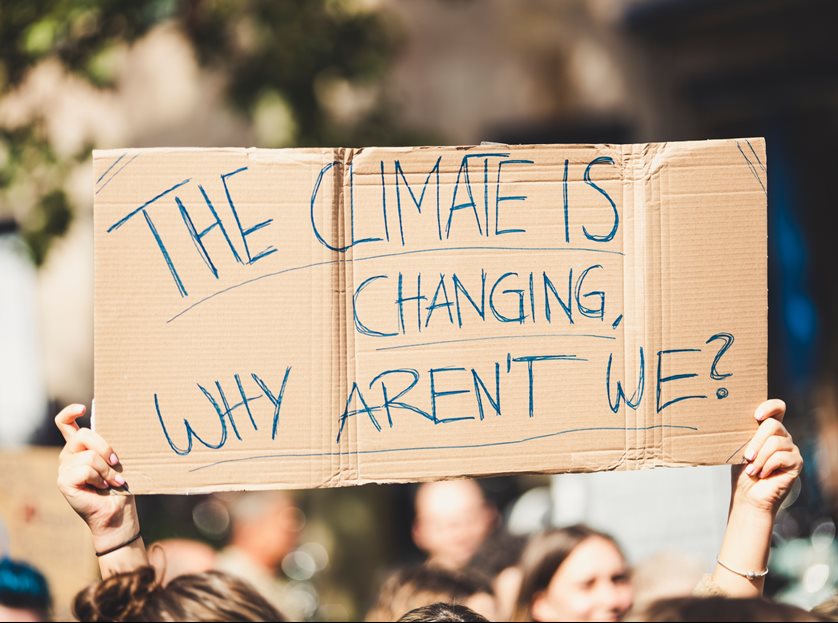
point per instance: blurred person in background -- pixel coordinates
(580, 574)
(828, 609)
(497, 560)
(266, 527)
(452, 520)
(24, 592)
(700, 609)
(422, 585)
(175, 557)
(664, 575)
(573, 573)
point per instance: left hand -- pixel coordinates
(88, 470)
(773, 461)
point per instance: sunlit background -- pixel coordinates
(85, 74)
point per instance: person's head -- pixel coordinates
(24, 592)
(421, 585)
(452, 519)
(828, 608)
(175, 557)
(139, 596)
(665, 575)
(442, 612)
(700, 609)
(498, 559)
(573, 574)
(266, 525)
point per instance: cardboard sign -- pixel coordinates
(330, 317)
(37, 526)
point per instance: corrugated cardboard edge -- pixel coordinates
(640, 166)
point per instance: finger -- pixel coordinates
(86, 439)
(72, 477)
(787, 461)
(774, 408)
(767, 429)
(773, 444)
(93, 459)
(66, 420)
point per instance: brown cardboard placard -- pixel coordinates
(37, 525)
(329, 317)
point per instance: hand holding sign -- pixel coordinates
(774, 461)
(88, 471)
(759, 487)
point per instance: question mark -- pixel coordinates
(727, 338)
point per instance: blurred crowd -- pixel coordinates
(474, 568)
(104, 74)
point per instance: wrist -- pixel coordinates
(757, 509)
(747, 537)
(114, 529)
(121, 559)
(744, 553)
(108, 538)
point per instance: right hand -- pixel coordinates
(88, 474)
(773, 461)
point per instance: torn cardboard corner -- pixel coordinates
(327, 317)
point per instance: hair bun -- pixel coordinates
(121, 597)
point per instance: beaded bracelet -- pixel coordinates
(751, 575)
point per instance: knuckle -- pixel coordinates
(774, 443)
(773, 425)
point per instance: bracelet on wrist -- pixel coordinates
(120, 546)
(750, 575)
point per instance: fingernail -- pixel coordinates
(750, 454)
(750, 469)
(118, 479)
(113, 460)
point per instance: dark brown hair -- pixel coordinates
(443, 612)
(422, 585)
(138, 596)
(542, 557)
(700, 609)
(499, 551)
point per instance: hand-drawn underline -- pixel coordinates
(511, 442)
(497, 337)
(379, 257)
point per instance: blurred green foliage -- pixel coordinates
(31, 172)
(75, 31)
(279, 58)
